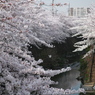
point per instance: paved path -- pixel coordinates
(89, 87)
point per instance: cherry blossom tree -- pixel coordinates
(86, 31)
(22, 23)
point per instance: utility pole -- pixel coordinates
(53, 7)
(40, 3)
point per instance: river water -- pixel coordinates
(68, 80)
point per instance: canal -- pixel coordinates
(68, 80)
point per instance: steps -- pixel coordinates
(88, 86)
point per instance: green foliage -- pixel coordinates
(84, 70)
(86, 77)
(87, 49)
(83, 64)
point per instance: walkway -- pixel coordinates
(89, 87)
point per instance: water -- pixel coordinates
(68, 80)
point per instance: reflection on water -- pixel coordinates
(68, 80)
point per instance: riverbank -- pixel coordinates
(85, 72)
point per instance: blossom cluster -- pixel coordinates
(86, 31)
(22, 23)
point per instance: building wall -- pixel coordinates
(78, 12)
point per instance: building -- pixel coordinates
(78, 12)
